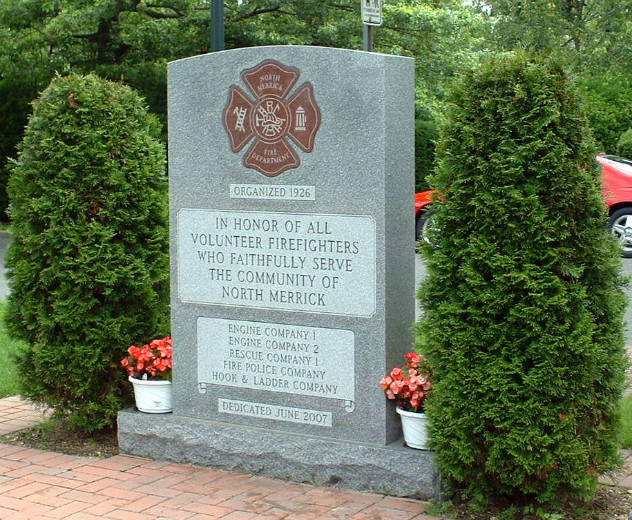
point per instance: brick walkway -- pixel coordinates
(16, 414)
(40, 485)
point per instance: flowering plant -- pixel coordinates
(407, 385)
(151, 361)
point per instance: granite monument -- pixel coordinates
(292, 266)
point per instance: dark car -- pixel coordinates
(617, 191)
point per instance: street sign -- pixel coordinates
(371, 12)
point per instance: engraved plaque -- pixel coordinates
(286, 261)
(280, 358)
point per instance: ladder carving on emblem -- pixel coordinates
(240, 112)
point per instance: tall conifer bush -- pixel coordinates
(88, 264)
(523, 304)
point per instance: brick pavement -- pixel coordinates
(40, 485)
(17, 414)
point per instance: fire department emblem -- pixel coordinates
(271, 118)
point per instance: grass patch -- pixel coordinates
(8, 348)
(626, 422)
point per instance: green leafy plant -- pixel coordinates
(608, 107)
(523, 304)
(88, 263)
(624, 145)
(426, 134)
(16, 95)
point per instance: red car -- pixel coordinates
(617, 192)
(422, 204)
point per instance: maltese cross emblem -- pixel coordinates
(271, 118)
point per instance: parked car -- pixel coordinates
(617, 191)
(422, 205)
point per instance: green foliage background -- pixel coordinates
(608, 107)
(426, 135)
(88, 263)
(624, 145)
(132, 42)
(523, 305)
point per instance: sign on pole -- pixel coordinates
(371, 12)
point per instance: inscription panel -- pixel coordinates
(283, 261)
(310, 361)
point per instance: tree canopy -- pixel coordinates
(132, 41)
(583, 33)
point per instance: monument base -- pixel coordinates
(393, 469)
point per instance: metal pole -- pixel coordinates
(367, 33)
(217, 25)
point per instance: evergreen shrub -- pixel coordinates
(523, 304)
(88, 263)
(624, 145)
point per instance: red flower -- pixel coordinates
(408, 386)
(153, 360)
(397, 386)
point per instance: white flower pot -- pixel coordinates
(153, 396)
(415, 426)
